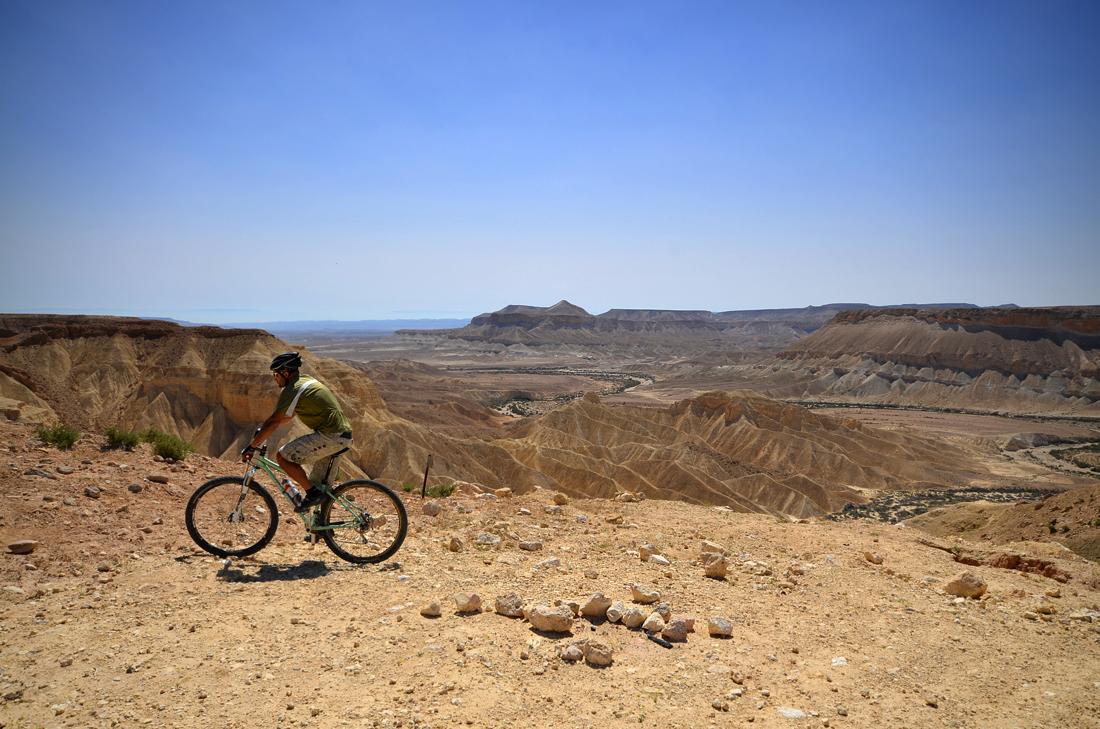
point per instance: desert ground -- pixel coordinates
(117, 619)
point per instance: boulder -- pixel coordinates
(653, 624)
(596, 606)
(467, 602)
(597, 653)
(633, 617)
(22, 546)
(551, 619)
(572, 653)
(966, 584)
(432, 508)
(645, 594)
(716, 566)
(615, 612)
(719, 627)
(676, 630)
(509, 605)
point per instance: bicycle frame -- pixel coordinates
(260, 461)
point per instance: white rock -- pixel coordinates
(659, 559)
(597, 653)
(596, 606)
(467, 602)
(840, 661)
(719, 627)
(524, 511)
(653, 624)
(551, 619)
(713, 548)
(633, 617)
(615, 612)
(572, 653)
(788, 713)
(645, 594)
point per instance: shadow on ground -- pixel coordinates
(309, 570)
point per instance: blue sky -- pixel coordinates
(351, 160)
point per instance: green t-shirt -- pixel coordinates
(315, 404)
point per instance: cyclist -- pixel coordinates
(317, 408)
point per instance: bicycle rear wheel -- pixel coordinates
(363, 522)
(228, 519)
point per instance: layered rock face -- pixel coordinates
(207, 385)
(1041, 360)
(566, 323)
(735, 449)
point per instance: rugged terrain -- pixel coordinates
(115, 619)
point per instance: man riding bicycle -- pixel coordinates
(317, 408)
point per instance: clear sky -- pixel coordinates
(251, 161)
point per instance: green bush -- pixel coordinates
(408, 487)
(60, 436)
(118, 438)
(166, 445)
(441, 491)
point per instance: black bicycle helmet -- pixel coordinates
(286, 360)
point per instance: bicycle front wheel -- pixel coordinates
(229, 519)
(363, 522)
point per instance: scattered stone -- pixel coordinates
(597, 653)
(720, 705)
(627, 497)
(840, 661)
(65, 470)
(468, 602)
(487, 539)
(524, 511)
(1045, 609)
(596, 606)
(653, 624)
(14, 590)
(646, 550)
(664, 610)
(157, 477)
(551, 619)
(560, 499)
(591, 574)
(39, 473)
(454, 544)
(572, 653)
(22, 546)
(431, 610)
(616, 519)
(503, 493)
(719, 627)
(633, 617)
(548, 564)
(716, 566)
(92, 492)
(432, 508)
(966, 584)
(134, 488)
(713, 548)
(572, 603)
(644, 594)
(615, 612)
(1085, 615)
(660, 559)
(873, 557)
(1053, 592)
(788, 713)
(530, 545)
(553, 510)
(509, 605)
(676, 630)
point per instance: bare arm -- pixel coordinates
(276, 420)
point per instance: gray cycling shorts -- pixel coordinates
(322, 450)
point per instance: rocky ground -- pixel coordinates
(116, 619)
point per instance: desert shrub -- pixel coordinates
(60, 435)
(441, 491)
(166, 445)
(119, 438)
(408, 487)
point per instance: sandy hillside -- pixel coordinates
(117, 620)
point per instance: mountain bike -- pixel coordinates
(361, 521)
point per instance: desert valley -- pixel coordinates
(835, 516)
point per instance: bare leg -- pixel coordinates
(296, 472)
